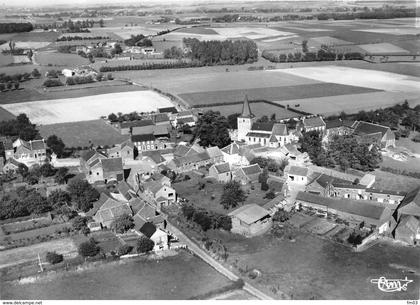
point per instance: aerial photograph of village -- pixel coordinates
(209, 150)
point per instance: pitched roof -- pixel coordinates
(125, 190)
(231, 149)
(222, 167)
(138, 123)
(181, 150)
(279, 129)
(365, 128)
(297, 170)
(112, 165)
(155, 155)
(323, 180)
(185, 113)
(185, 120)
(251, 169)
(152, 186)
(90, 153)
(246, 109)
(273, 139)
(265, 126)
(13, 162)
(143, 137)
(160, 117)
(148, 229)
(412, 197)
(364, 208)
(313, 122)
(168, 110)
(249, 213)
(258, 134)
(338, 123)
(37, 144)
(214, 152)
(160, 130)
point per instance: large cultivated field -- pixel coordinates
(89, 107)
(282, 93)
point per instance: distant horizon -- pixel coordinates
(84, 3)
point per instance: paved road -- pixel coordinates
(215, 264)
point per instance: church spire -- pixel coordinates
(246, 110)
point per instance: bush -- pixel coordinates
(124, 249)
(355, 239)
(54, 258)
(270, 195)
(144, 245)
(89, 248)
(52, 83)
(281, 216)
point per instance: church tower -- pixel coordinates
(245, 120)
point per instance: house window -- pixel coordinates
(170, 194)
(97, 173)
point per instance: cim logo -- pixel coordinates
(391, 285)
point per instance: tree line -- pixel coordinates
(378, 13)
(206, 219)
(139, 41)
(13, 27)
(229, 52)
(21, 127)
(321, 55)
(71, 38)
(152, 66)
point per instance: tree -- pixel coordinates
(124, 249)
(304, 46)
(101, 23)
(355, 238)
(54, 258)
(61, 175)
(113, 117)
(89, 248)
(232, 195)
(59, 198)
(122, 224)
(270, 195)
(262, 162)
(56, 144)
(82, 193)
(311, 142)
(281, 216)
(47, 170)
(16, 85)
(233, 120)
(144, 245)
(212, 130)
(22, 170)
(79, 223)
(264, 186)
(224, 222)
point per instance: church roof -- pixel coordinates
(246, 110)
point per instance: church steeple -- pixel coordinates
(246, 110)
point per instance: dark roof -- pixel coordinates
(168, 110)
(185, 120)
(160, 117)
(143, 137)
(148, 229)
(181, 150)
(246, 109)
(297, 170)
(387, 192)
(231, 149)
(324, 180)
(279, 129)
(156, 156)
(258, 135)
(222, 168)
(37, 144)
(124, 189)
(112, 165)
(89, 154)
(252, 169)
(338, 123)
(411, 197)
(139, 123)
(364, 208)
(365, 128)
(266, 126)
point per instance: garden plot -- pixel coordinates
(382, 48)
(358, 77)
(89, 107)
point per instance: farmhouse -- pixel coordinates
(30, 152)
(247, 174)
(221, 172)
(164, 195)
(124, 150)
(158, 236)
(372, 214)
(147, 142)
(408, 230)
(337, 127)
(410, 205)
(268, 134)
(315, 123)
(98, 167)
(250, 220)
(189, 162)
(371, 133)
(297, 174)
(107, 209)
(294, 156)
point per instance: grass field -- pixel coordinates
(315, 268)
(382, 48)
(178, 277)
(77, 134)
(60, 59)
(409, 165)
(389, 181)
(30, 253)
(272, 93)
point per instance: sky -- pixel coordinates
(32, 3)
